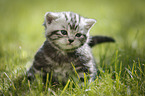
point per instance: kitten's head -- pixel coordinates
(67, 30)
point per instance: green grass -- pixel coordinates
(121, 65)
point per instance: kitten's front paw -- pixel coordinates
(30, 76)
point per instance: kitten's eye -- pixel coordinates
(63, 32)
(78, 35)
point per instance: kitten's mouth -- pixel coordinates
(70, 50)
(69, 47)
(69, 44)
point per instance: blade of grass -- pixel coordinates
(46, 85)
(65, 87)
(10, 80)
(50, 90)
(29, 85)
(85, 80)
(75, 70)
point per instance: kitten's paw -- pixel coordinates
(30, 76)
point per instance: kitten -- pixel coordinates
(67, 44)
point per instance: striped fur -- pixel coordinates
(67, 39)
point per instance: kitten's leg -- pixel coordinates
(90, 73)
(89, 69)
(30, 73)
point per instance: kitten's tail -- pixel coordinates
(100, 39)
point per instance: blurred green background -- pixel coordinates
(22, 33)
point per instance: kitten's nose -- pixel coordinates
(70, 40)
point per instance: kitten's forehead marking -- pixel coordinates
(73, 20)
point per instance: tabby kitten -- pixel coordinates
(66, 45)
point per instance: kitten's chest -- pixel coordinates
(63, 68)
(63, 59)
(57, 56)
(62, 63)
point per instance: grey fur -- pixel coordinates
(53, 58)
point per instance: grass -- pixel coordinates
(121, 65)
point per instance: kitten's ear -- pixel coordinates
(50, 16)
(89, 23)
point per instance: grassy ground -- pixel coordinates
(121, 65)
